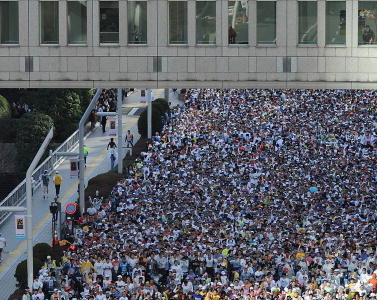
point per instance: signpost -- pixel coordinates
(71, 208)
(20, 226)
(74, 167)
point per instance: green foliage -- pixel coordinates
(104, 183)
(5, 109)
(162, 104)
(30, 137)
(159, 107)
(21, 271)
(9, 129)
(62, 105)
(85, 96)
(42, 250)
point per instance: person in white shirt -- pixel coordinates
(3, 244)
(187, 287)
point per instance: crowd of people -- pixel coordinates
(18, 110)
(245, 194)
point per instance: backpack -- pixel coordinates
(45, 179)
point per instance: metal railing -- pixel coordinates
(18, 195)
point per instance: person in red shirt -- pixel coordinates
(373, 282)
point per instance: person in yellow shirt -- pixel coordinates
(57, 181)
(86, 266)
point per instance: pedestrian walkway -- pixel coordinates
(98, 162)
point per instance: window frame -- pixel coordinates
(316, 43)
(18, 26)
(86, 42)
(196, 25)
(127, 28)
(265, 44)
(40, 24)
(345, 42)
(99, 24)
(187, 26)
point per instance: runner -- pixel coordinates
(45, 177)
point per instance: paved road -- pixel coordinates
(98, 162)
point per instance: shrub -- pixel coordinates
(162, 104)
(41, 251)
(156, 121)
(104, 183)
(9, 128)
(21, 271)
(5, 109)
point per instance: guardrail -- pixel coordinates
(18, 195)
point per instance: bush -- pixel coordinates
(21, 271)
(162, 104)
(9, 128)
(41, 251)
(30, 137)
(104, 183)
(5, 109)
(156, 121)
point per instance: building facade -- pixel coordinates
(188, 43)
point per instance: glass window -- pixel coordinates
(336, 22)
(137, 22)
(238, 22)
(307, 22)
(49, 22)
(367, 22)
(109, 22)
(177, 22)
(77, 22)
(206, 22)
(8, 22)
(266, 22)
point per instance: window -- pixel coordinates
(307, 22)
(137, 22)
(178, 22)
(335, 22)
(8, 22)
(238, 22)
(266, 22)
(109, 22)
(367, 22)
(76, 22)
(206, 22)
(49, 22)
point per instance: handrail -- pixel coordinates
(18, 195)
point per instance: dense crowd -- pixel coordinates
(245, 194)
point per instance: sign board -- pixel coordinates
(143, 98)
(71, 208)
(20, 226)
(74, 167)
(113, 130)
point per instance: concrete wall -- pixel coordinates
(220, 65)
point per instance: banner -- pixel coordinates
(20, 226)
(143, 98)
(74, 167)
(113, 129)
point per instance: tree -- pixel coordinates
(21, 271)
(42, 250)
(30, 136)
(159, 108)
(5, 109)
